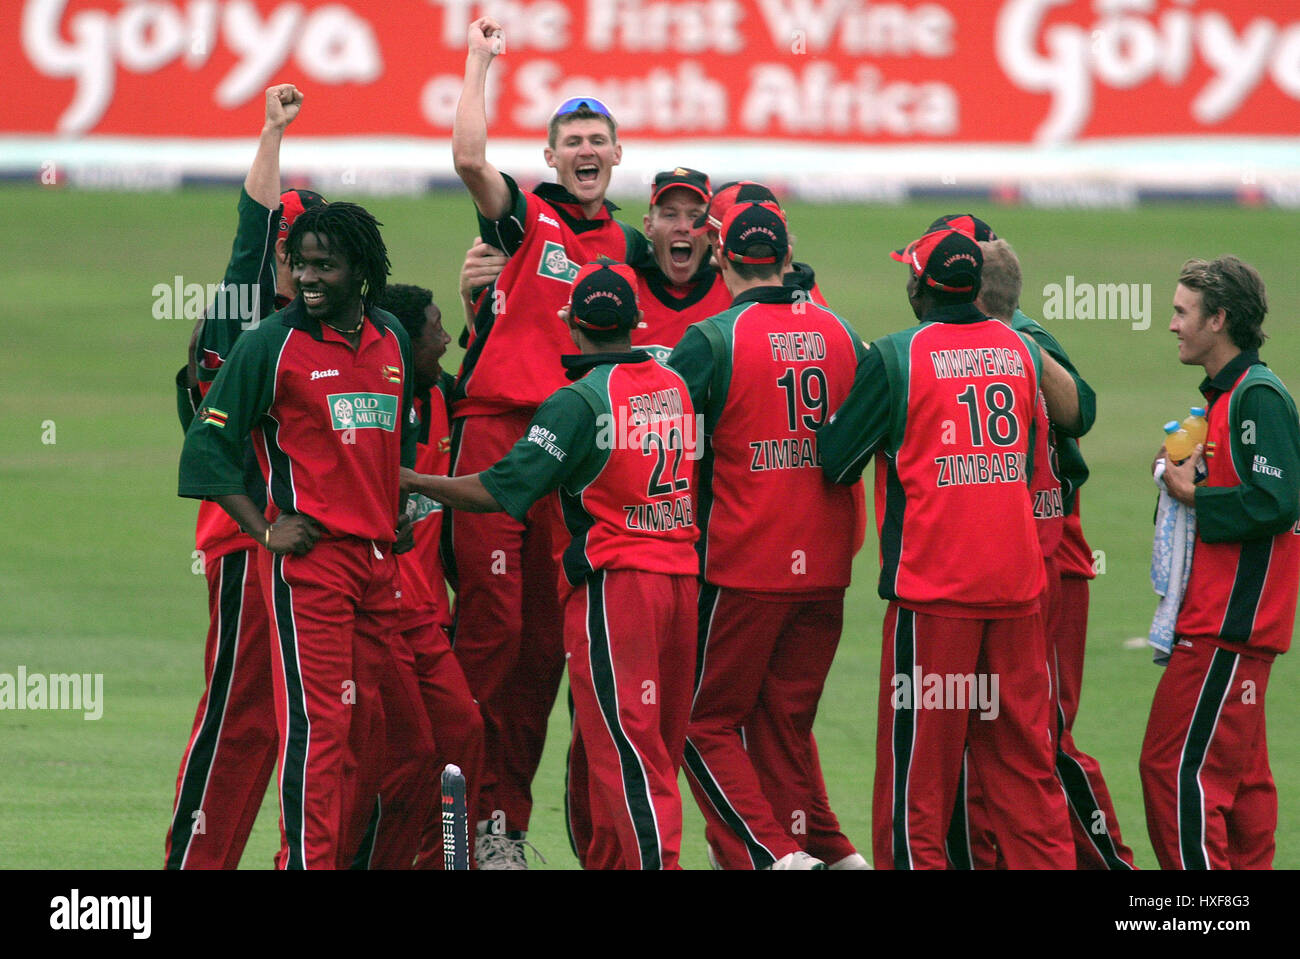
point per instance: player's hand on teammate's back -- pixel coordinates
(408, 480)
(283, 101)
(486, 37)
(483, 262)
(405, 541)
(293, 533)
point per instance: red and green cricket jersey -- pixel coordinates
(668, 310)
(423, 586)
(1241, 593)
(1074, 556)
(950, 406)
(765, 374)
(620, 446)
(330, 424)
(247, 295)
(513, 360)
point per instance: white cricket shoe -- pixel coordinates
(797, 860)
(851, 861)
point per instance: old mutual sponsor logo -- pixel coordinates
(556, 264)
(360, 411)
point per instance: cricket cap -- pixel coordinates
(292, 204)
(967, 223)
(604, 297)
(728, 195)
(685, 177)
(947, 261)
(755, 233)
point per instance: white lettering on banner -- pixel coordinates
(876, 29)
(680, 100)
(541, 26)
(689, 27)
(815, 101)
(332, 44)
(1123, 50)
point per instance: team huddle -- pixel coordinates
(648, 470)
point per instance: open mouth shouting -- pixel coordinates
(681, 251)
(587, 173)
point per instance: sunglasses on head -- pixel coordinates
(574, 104)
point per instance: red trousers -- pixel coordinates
(403, 745)
(629, 639)
(333, 614)
(751, 758)
(1094, 826)
(1210, 798)
(454, 719)
(508, 636)
(231, 751)
(947, 682)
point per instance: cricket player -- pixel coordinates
(1210, 798)
(422, 644)
(508, 635)
(325, 387)
(231, 751)
(949, 409)
(619, 447)
(1068, 563)
(775, 559)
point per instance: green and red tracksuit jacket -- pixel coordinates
(248, 287)
(951, 406)
(765, 374)
(330, 425)
(513, 358)
(1241, 594)
(619, 446)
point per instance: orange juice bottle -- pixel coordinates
(1196, 425)
(1178, 445)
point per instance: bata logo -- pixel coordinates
(359, 411)
(555, 263)
(331, 44)
(1132, 43)
(546, 219)
(321, 374)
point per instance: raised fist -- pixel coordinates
(486, 37)
(283, 101)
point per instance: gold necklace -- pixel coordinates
(355, 329)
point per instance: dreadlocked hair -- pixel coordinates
(352, 231)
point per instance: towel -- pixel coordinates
(1171, 564)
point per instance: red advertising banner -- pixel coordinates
(842, 71)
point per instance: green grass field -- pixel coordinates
(96, 571)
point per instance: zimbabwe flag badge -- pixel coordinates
(214, 416)
(392, 374)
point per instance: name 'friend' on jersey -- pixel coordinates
(772, 521)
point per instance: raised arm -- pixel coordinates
(469, 132)
(283, 102)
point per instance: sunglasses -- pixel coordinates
(574, 104)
